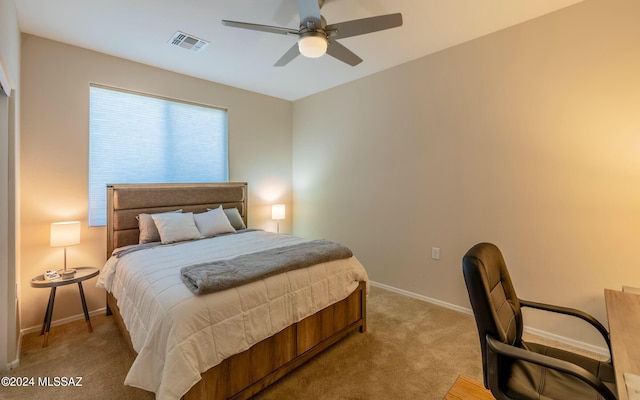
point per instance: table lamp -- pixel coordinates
(277, 213)
(65, 234)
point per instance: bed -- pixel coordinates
(267, 341)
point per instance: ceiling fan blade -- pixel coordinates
(365, 25)
(262, 28)
(292, 53)
(309, 10)
(343, 54)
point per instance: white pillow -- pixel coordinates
(176, 227)
(213, 222)
(148, 231)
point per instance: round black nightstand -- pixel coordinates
(82, 274)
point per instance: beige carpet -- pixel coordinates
(411, 350)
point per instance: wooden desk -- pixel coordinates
(623, 312)
(466, 388)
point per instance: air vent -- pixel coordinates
(188, 42)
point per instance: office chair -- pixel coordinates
(513, 368)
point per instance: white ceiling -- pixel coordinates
(139, 30)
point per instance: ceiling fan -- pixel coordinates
(315, 37)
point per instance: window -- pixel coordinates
(135, 138)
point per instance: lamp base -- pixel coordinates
(67, 274)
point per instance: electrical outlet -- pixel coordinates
(435, 253)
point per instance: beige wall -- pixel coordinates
(55, 108)
(528, 138)
(9, 184)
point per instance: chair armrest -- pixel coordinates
(495, 348)
(572, 312)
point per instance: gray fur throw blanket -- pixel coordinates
(224, 274)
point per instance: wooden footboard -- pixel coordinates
(245, 374)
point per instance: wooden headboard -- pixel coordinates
(126, 201)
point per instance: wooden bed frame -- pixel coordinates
(244, 374)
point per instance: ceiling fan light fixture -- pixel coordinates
(313, 45)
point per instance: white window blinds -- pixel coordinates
(143, 139)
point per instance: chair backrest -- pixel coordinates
(494, 301)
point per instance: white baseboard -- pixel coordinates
(423, 298)
(13, 365)
(62, 321)
(546, 335)
(565, 340)
(16, 363)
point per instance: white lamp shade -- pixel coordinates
(65, 233)
(277, 211)
(312, 46)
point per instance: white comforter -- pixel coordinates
(178, 335)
